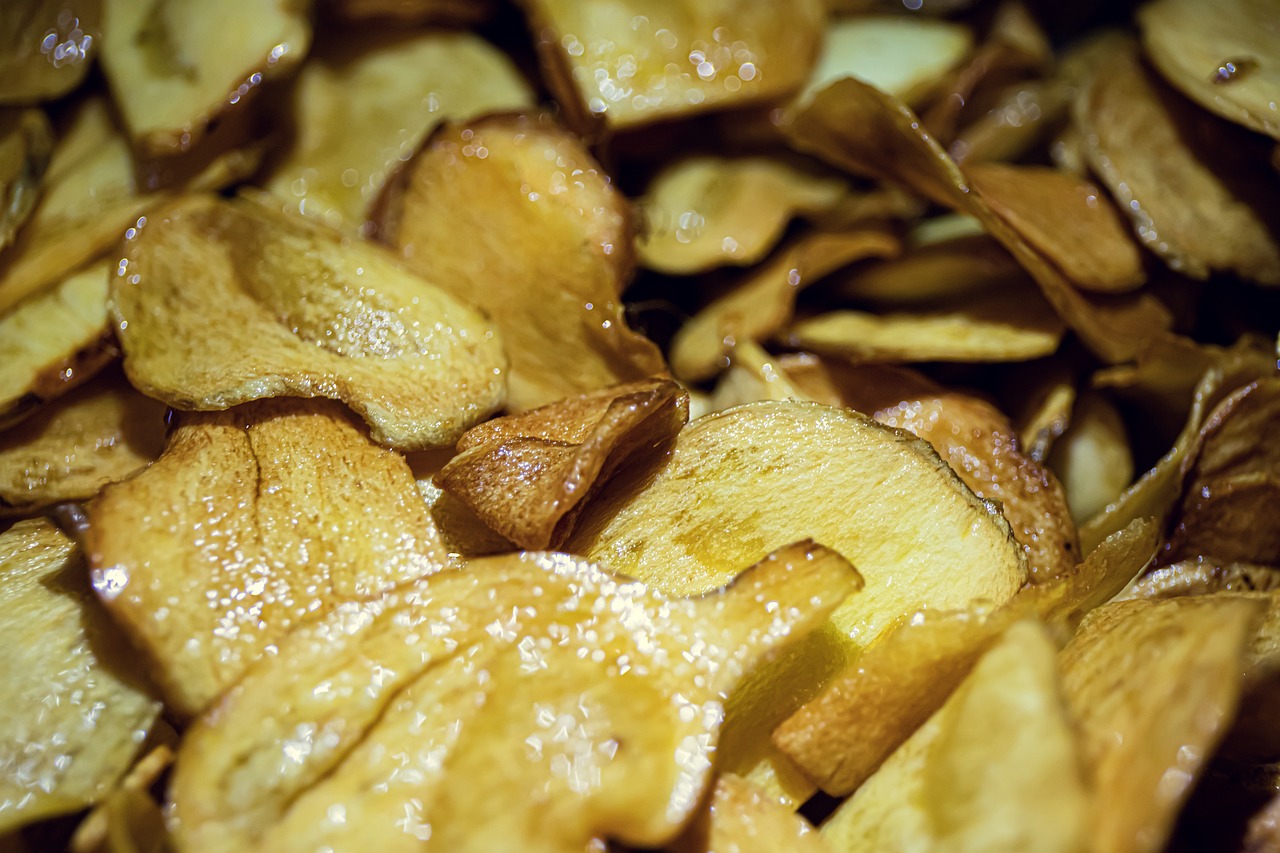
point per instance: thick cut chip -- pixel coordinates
(1225, 56)
(953, 267)
(1153, 686)
(74, 713)
(69, 450)
(220, 302)
(512, 213)
(532, 702)
(251, 520)
(856, 127)
(996, 769)
(26, 143)
(763, 302)
(1162, 160)
(1092, 457)
(45, 48)
(178, 66)
(628, 62)
(741, 818)
(394, 88)
(704, 212)
(528, 475)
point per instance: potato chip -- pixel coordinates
(528, 476)
(220, 302)
(1092, 458)
(463, 534)
(69, 450)
(1020, 120)
(1203, 576)
(46, 48)
(560, 250)
(26, 143)
(763, 301)
(593, 717)
(1046, 414)
(948, 268)
(176, 69)
(705, 212)
(127, 820)
(741, 818)
(251, 520)
(64, 658)
(432, 12)
(394, 87)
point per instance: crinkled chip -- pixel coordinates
(219, 302)
(46, 49)
(26, 143)
(75, 710)
(741, 818)
(513, 213)
(252, 520)
(1092, 457)
(532, 701)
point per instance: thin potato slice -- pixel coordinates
(1045, 414)
(704, 212)
(1092, 457)
(995, 770)
(856, 127)
(1202, 576)
(97, 434)
(960, 266)
(553, 256)
(220, 302)
(45, 48)
(593, 717)
(1018, 122)
(1153, 686)
(176, 68)
(251, 520)
(1162, 161)
(463, 534)
(1232, 520)
(394, 87)
(528, 476)
(74, 713)
(741, 818)
(1225, 57)
(763, 302)
(127, 820)
(629, 63)
(26, 143)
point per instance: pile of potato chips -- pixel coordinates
(688, 425)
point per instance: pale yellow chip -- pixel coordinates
(26, 143)
(1092, 457)
(46, 49)
(220, 302)
(741, 818)
(252, 520)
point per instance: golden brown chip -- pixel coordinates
(463, 534)
(741, 818)
(365, 102)
(176, 69)
(1020, 120)
(514, 214)
(1153, 686)
(628, 63)
(596, 715)
(46, 48)
(251, 520)
(74, 711)
(220, 302)
(948, 268)
(69, 450)
(1162, 160)
(26, 143)
(528, 475)
(1092, 457)
(1233, 519)
(853, 126)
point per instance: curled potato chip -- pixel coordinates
(704, 212)
(528, 475)
(26, 143)
(46, 48)
(64, 658)
(1092, 458)
(251, 520)
(553, 282)
(220, 302)
(948, 268)
(177, 68)
(98, 434)
(395, 88)
(630, 63)
(741, 818)
(594, 718)
(1188, 204)
(856, 127)
(764, 300)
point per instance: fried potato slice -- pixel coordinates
(1044, 413)
(558, 257)
(703, 212)
(251, 520)
(1092, 457)
(1152, 686)
(220, 302)
(741, 818)
(74, 712)
(1020, 120)
(947, 268)
(463, 534)
(596, 716)
(763, 302)
(98, 434)
(996, 769)
(54, 340)
(128, 820)
(394, 87)
(1203, 576)
(1197, 210)
(856, 127)
(426, 12)
(46, 48)
(177, 68)
(26, 143)
(527, 476)
(1225, 58)
(629, 63)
